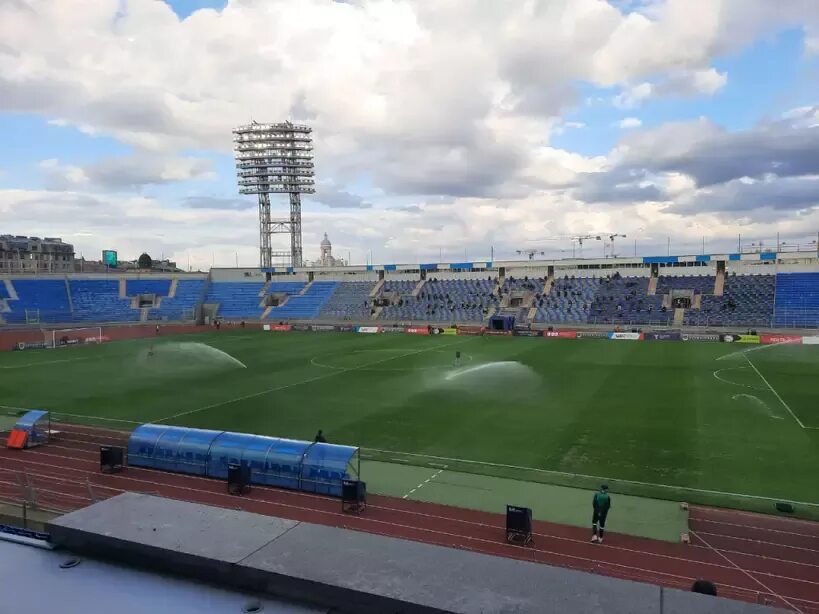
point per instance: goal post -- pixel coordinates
(62, 337)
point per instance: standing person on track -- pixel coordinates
(601, 503)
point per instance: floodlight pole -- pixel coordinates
(275, 159)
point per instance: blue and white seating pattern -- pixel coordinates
(797, 300)
(182, 305)
(305, 306)
(98, 300)
(350, 301)
(449, 300)
(238, 299)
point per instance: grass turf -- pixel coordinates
(654, 419)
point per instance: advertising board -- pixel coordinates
(662, 336)
(561, 334)
(592, 335)
(280, 327)
(30, 345)
(344, 329)
(498, 333)
(699, 337)
(739, 338)
(443, 331)
(369, 330)
(470, 330)
(417, 330)
(528, 333)
(810, 340)
(626, 336)
(392, 329)
(323, 327)
(303, 327)
(773, 339)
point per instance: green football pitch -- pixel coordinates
(700, 422)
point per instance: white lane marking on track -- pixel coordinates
(752, 577)
(776, 394)
(307, 381)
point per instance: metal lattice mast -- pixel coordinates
(275, 159)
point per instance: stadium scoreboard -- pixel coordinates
(109, 258)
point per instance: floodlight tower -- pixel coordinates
(275, 159)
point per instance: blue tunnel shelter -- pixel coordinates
(287, 463)
(37, 424)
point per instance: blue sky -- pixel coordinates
(415, 148)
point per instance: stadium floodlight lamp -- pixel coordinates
(275, 159)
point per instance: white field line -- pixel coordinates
(776, 394)
(425, 482)
(727, 381)
(45, 362)
(449, 459)
(752, 577)
(307, 381)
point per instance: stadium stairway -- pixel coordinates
(652, 285)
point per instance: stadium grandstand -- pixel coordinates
(765, 290)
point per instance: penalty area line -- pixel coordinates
(776, 394)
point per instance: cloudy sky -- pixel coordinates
(442, 127)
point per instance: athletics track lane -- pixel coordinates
(749, 567)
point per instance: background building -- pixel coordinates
(20, 254)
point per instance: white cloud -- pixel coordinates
(630, 122)
(422, 99)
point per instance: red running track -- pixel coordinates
(751, 557)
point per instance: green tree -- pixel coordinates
(145, 262)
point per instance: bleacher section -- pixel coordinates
(450, 300)
(45, 298)
(748, 300)
(797, 300)
(236, 299)
(97, 300)
(182, 305)
(307, 305)
(160, 287)
(350, 301)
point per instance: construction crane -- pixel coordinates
(531, 253)
(612, 236)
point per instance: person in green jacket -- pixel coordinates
(601, 503)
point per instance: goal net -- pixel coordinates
(62, 337)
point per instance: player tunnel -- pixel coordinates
(299, 465)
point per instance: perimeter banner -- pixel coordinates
(498, 333)
(775, 339)
(322, 327)
(562, 334)
(626, 336)
(739, 338)
(663, 337)
(470, 330)
(443, 331)
(305, 327)
(30, 345)
(593, 335)
(528, 333)
(280, 327)
(417, 330)
(810, 340)
(369, 330)
(344, 329)
(393, 329)
(699, 337)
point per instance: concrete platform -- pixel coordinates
(349, 570)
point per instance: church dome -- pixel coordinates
(326, 242)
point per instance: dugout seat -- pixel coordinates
(17, 439)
